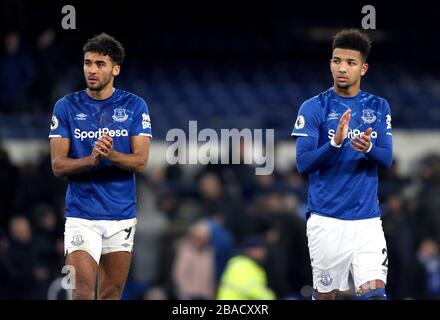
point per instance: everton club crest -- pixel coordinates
(120, 115)
(368, 116)
(326, 279)
(77, 240)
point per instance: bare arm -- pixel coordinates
(62, 165)
(136, 161)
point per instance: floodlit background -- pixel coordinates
(225, 65)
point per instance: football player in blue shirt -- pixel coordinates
(99, 139)
(343, 135)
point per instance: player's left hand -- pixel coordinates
(105, 146)
(362, 143)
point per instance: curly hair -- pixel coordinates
(353, 39)
(106, 45)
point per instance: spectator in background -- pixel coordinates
(55, 188)
(287, 259)
(214, 199)
(23, 256)
(152, 224)
(245, 277)
(167, 203)
(48, 234)
(297, 184)
(46, 58)
(155, 293)
(429, 198)
(237, 176)
(401, 245)
(29, 188)
(5, 268)
(390, 180)
(428, 256)
(222, 241)
(9, 175)
(16, 74)
(193, 270)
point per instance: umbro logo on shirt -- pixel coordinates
(333, 116)
(81, 116)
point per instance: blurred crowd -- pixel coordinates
(193, 219)
(21, 90)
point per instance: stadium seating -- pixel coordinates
(255, 95)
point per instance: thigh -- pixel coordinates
(371, 257)
(85, 272)
(112, 274)
(331, 251)
(115, 262)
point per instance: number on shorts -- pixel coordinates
(128, 230)
(385, 262)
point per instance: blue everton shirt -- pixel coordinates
(104, 192)
(343, 183)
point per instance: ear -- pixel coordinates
(116, 70)
(364, 69)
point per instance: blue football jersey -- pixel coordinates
(346, 187)
(104, 192)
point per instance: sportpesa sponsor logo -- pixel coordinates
(351, 134)
(98, 133)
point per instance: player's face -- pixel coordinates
(347, 67)
(99, 71)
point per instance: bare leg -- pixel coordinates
(85, 274)
(325, 296)
(112, 274)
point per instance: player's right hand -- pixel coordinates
(342, 129)
(105, 146)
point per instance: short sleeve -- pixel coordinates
(141, 125)
(59, 125)
(308, 120)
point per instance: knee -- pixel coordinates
(84, 292)
(110, 292)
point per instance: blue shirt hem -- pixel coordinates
(95, 217)
(360, 217)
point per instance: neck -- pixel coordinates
(102, 94)
(350, 91)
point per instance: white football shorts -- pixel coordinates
(99, 237)
(339, 247)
